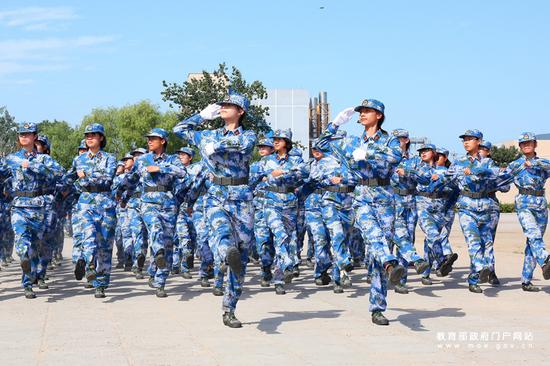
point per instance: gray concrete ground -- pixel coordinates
(439, 324)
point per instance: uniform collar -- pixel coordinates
(374, 137)
(159, 157)
(235, 132)
(92, 156)
(29, 154)
(279, 158)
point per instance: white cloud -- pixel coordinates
(36, 18)
(20, 49)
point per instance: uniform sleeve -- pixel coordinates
(187, 129)
(243, 144)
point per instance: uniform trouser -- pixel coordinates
(59, 235)
(300, 230)
(232, 225)
(375, 220)
(339, 222)
(6, 232)
(186, 239)
(77, 225)
(160, 222)
(281, 221)
(28, 228)
(490, 250)
(119, 240)
(138, 241)
(477, 227)
(47, 244)
(201, 229)
(98, 230)
(263, 241)
(449, 220)
(320, 236)
(533, 222)
(432, 223)
(357, 246)
(404, 236)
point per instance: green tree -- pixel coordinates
(64, 140)
(504, 155)
(8, 136)
(193, 95)
(126, 127)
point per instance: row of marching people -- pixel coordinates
(359, 199)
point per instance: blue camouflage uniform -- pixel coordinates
(226, 155)
(372, 160)
(281, 208)
(477, 207)
(158, 206)
(29, 187)
(532, 209)
(94, 215)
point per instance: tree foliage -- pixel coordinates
(8, 134)
(504, 155)
(193, 95)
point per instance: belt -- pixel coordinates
(136, 195)
(259, 194)
(283, 189)
(157, 189)
(405, 192)
(96, 189)
(375, 182)
(478, 194)
(336, 189)
(532, 192)
(32, 194)
(433, 195)
(229, 181)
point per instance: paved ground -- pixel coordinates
(440, 324)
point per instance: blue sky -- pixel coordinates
(439, 66)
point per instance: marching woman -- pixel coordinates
(30, 177)
(94, 215)
(430, 204)
(226, 153)
(283, 173)
(406, 217)
(532, 208)
(372, 158)
(156, 177)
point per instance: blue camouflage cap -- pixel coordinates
(27, 127)
(265, 142)
(400, 132)
(120, 163)
(472, 133)
(372, 104)
(442, 151)
(527, 136)
(186, 150)
(127, 156)
(283, 134)
(237, 99)
(82, 145)
(427, 147)
(316, 144)
(486, 144)
(296, 152)
(158, 132)
(44, 139)
(95, 128)
(139, 150)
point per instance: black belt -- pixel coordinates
(259, 194)
(96, 189)
(283, 189)
(229, 181)
(433, 195)
(336, 189)
(33, 194)
(532, 192)
(157, 189)
(404, 192)
(478, 194)
(136, 195)
(374, 182)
